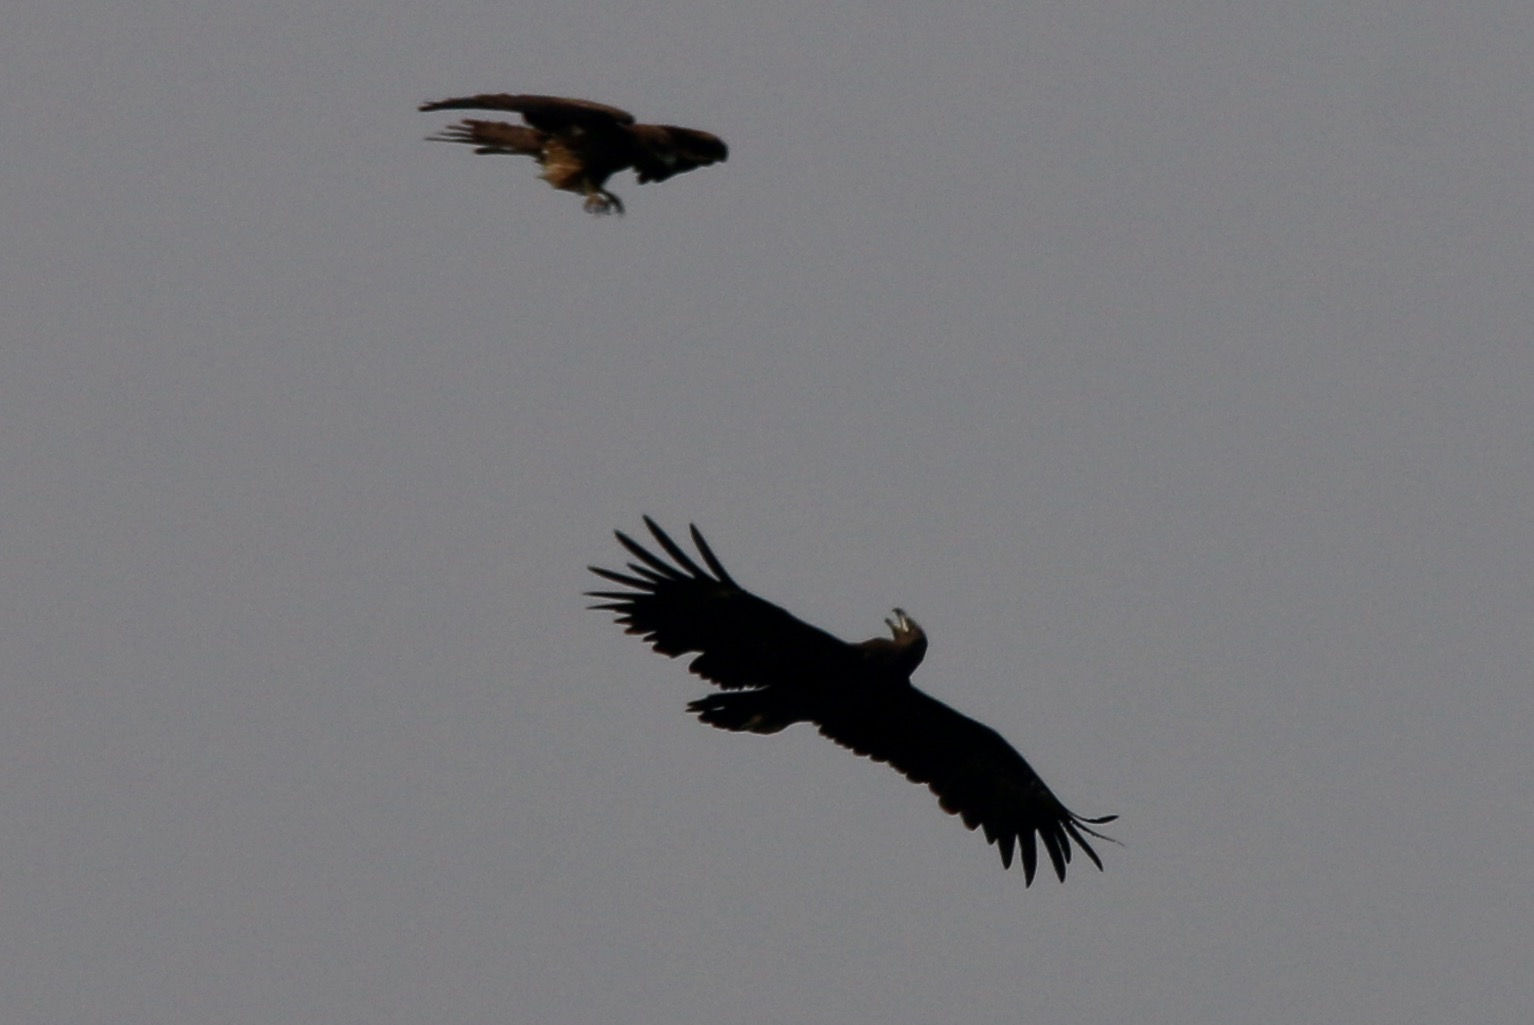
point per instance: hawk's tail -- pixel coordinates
(492, 137)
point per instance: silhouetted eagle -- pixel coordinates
(580, 144)
(776, 671)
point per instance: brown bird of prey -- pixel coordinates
(774, 671)
(580, 144)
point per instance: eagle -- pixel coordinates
(580, 144)
(774, 670)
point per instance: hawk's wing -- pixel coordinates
(554, 114)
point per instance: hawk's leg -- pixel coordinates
(600, 201)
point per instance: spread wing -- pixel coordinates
(667, 150)
(974, 772)
(742, 641)
(554, 114)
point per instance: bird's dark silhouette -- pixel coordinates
(580, 144)
(774, 670)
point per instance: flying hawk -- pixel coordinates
(774, 671)
(580, 144)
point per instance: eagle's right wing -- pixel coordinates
(974, 772)
(742, 641)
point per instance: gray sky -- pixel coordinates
(1171, 363)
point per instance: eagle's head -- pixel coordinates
(910, 640)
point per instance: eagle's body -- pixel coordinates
(580, 144)
(775, 670)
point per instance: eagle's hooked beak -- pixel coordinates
(900, 624)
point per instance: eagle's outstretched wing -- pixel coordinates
(974, 772)
(742, 641)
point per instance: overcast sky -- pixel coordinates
(1172, 363)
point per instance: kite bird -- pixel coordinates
(580, 144)
(774, 670)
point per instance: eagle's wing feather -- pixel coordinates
(974, 772)
(741, 641)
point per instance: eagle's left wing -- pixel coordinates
(974, 772)
(741, 641)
